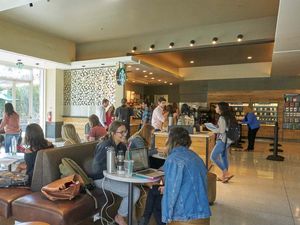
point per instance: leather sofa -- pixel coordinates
(31, 205)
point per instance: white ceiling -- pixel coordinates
(93, 20)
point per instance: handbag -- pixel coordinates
(65, 188)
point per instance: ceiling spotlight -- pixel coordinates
(144, 71)
(129, 66)
(214, 40)
(152, 78)
(134, 49)
(249, 57)
(171, 45)
(192, 43)
(240, 37)
(150, 73)
(146, 76)
(151, 47)
(159, 80)
(171, 83)
(133, 81)
(137, 68)
(31, 4)
(165, 82)
(192, 61)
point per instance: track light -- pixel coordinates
(134, 49)
(151, 47)
(31, 4)
(240, 37)
(192, 42)
(171, 45)
(214, 40)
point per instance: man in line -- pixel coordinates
(102, 111)
(158, 115)
(123, 113)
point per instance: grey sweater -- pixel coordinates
(221, 129)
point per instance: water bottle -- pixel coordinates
(120, 163)
(13, 145)
(110, 160)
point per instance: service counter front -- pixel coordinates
(202, 144)
(265, 131)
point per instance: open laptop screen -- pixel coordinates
(140, 158)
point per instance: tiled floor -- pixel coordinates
(262, 192)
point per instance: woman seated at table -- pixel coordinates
(116, 138)
(96, 131)
(143, 139)
(34, 142)
(69, 135)
(184, 198)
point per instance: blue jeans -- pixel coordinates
(219, 155)
(7, 141)
(121, 189)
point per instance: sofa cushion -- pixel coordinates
(35, 207)
(7, 196)
(46, 168)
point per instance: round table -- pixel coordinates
(130, 180)
(33, 223)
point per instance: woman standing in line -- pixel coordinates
(184, 200)
(253, 126)
(11, 125)
(219, 154)
(110, 115)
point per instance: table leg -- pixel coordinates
(130, 202)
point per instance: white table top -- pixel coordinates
(133, 179)
(8, 159)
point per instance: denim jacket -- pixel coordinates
(185, 193)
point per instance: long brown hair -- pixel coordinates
(145, 132)
(94, 120)
(112, 130)
(34, 137)
(178, 136)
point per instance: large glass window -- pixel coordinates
(21, 87)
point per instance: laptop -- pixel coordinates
(141, 164)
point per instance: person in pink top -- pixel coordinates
(11, 125)
(96, 131)
(158, 115)
(110, 115)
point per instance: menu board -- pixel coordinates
(266, 112)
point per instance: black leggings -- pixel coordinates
(251, 138)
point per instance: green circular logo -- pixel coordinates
(121, 76)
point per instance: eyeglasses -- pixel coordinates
(124, 132)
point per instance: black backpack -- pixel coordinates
(233, 132)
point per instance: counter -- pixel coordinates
(265, 131)
(202, 144)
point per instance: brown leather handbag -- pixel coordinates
(65, 188)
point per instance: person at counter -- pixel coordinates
(123, 113)
(158, 116)
(102, 114)
(219, 153)
(253, 126)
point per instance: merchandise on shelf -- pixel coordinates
(266, 112)
(291, 112)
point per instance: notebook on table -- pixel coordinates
(141, 164)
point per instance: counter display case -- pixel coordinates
(266, 112)
(238, 109)
(291, 112)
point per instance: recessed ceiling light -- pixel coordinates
(192, 61)
(171, 83)
(165, 82)
(171, 45)
(137, 68)
(159, 80)
(151, 47)
(214, 40)
(150, 73)
(240, 37)
(192, 42)
(134, 49)
(133, 81)
(144, 71)
(146, 76)
(249, 57)
(152, 78)
(129, 66)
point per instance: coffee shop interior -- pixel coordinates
(60, 59)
